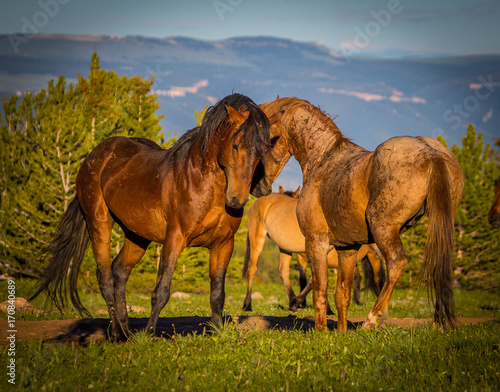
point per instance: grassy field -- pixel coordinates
(389, 358)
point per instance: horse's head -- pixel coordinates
(295, 194)
(241, 149)
(494, 215)
(275, 160)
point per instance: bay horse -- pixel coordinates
(275, 216)
(352, 196)
(494, 214)
(191, 194)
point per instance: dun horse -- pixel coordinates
(275, 216)
(189, 195)
(494, 215)
(352, 197)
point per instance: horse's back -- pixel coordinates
(403, 171)
(409, 160)
(412, 151)
(124, 175)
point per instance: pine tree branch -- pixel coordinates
(31, 235)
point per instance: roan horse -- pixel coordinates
(352, 197)
(275, 216)
(494, 215)
(189, 195)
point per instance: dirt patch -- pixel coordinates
(83, 330)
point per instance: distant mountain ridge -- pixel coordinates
(374, 98)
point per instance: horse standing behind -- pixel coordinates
(352, 196)
(494, 215)
(189, 195)
(275, 216)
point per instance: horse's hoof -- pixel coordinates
(150, 330)
(368, 326)
(294, 304)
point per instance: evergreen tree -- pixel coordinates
(118, 106)
(43, 141)
(198, 115)
(478, 244)
(45, 147)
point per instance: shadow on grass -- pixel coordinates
(85, 330)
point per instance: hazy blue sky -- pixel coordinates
(364, 26)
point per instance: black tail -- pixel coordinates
(66, 254)
(370, 276)
(247, 258)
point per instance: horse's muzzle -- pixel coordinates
(261, 190)
(235, 203)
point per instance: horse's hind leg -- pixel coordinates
(302, 260)
(378, 269)
(130, 254)
(284, 269)
(356, 295)
(345, 277)
(391, 247)
(301, 297)
(100, 235)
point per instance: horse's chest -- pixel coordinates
(215, 227)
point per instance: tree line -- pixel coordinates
(44, 136)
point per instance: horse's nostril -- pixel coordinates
(235, 203)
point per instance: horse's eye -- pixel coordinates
(235, 147)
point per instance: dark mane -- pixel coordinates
(183, 145)
(288, 193)
(255, 129)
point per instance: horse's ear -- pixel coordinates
(296, 193)
(235, 115)
(276, 117)
(281, 190)
(277, 97)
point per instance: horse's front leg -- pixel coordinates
(284, 269)
(219, 260)
(317, 247)
(172, 247)
(345, 277)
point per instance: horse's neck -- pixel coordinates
(202, 161)
(309, 141)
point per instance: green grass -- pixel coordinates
(389, 358)
(232, 359)
(404, 302)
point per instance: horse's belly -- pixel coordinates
(146, 223)
(138, 210)
(347, 228)
(288, 237)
